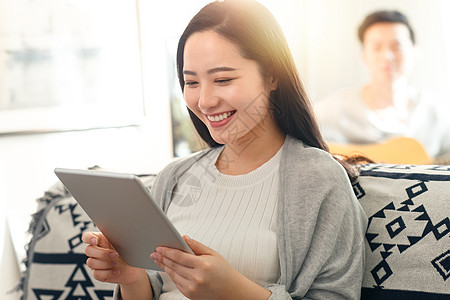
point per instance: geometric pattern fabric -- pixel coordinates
(408, 233)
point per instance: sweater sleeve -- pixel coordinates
(338, 241)
(334, 263)
(322, 228)
(155, 281)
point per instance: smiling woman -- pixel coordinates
(268, 212)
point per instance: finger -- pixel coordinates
(179, 280)
(89, 238)
(178, 256)
(111, 276)
(166, 263)
(98, 264)
(100, 253)
(197, 247)
(102, 241)
(96, 239)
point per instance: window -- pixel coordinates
(69, 64)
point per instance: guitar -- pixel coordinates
(398, 150)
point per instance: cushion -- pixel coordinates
(407, 239)
(56, 264)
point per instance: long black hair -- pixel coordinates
(259, 37)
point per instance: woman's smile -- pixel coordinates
(221, 119)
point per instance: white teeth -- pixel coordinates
(218, 118)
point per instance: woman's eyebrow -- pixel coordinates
(211, 71)
(221, 69)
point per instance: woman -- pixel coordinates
(267, 211)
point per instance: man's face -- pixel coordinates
(388, 52)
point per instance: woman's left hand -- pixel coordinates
(205, 275)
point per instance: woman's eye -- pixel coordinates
(223, 81)
(190, 83)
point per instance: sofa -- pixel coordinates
(407, 238)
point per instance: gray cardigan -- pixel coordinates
(320, 228)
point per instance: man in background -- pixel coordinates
(387, 106)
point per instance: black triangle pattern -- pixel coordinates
(408, 202)
(74, 215)
(85, 226)
(404, 208)
(39, 293)
(388, 247)
(103, 295)
(428, 228)
(382, 271)
(385, 255)
(402, 248)
(61, 208)
(414, 239)
(419, 208)
(76, 284)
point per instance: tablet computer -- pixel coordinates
(122, 208)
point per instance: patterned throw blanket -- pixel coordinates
(408, 236)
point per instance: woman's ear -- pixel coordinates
(272, 82)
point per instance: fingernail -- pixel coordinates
(153, 256)
(113, 254)
(94, 241)
(158, 250)
(188, 238)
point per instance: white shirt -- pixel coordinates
(233, 215)
(345, 118)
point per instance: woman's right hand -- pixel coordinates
(106, 264)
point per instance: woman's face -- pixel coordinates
(224, 90)
(388, 52)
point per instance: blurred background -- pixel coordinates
(86, 83)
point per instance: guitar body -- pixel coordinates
(399, 150)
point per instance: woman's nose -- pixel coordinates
(207, 97)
